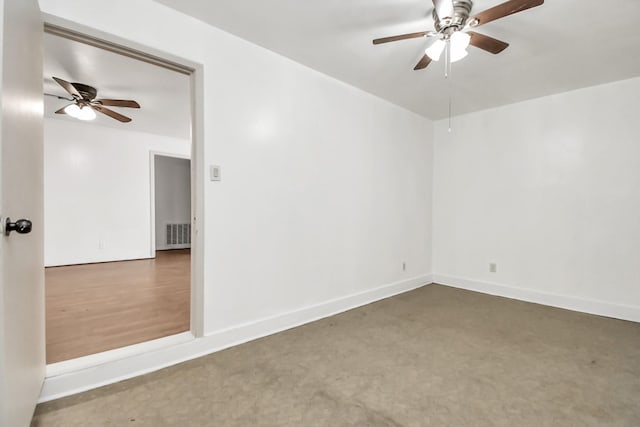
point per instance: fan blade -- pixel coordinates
(68, 87)
(111, 113)
(61, 111)
(487, 43)
(502, 10)
(423, 63)
(444, 8)
(117, 103)
(401, 37)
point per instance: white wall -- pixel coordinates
(325, 189)
(97, 191)
(549, 189)
(172, 195)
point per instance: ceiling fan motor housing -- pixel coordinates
(448, 25)
(87, 92)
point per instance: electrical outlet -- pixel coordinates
(100, 244)
(404, 266)
(493, 267)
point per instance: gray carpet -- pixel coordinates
(436, 356)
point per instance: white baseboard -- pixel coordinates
(92, 360)
(600, 308)
(131, 365)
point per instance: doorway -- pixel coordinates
(171, 202)
(106, 285)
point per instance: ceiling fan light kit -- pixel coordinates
(452, 21)
(459, 43)
(85, 104)
(80, 113)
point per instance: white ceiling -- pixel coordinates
(163, 95)
(559, 46)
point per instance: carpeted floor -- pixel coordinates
(436, 356)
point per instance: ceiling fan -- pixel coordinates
(452, 22)
(85, 102)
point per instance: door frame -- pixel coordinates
(152, 185)
(195, 71)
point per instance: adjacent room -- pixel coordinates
(374, 213)
(117, 199)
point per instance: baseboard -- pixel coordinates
(90, 262)
(87, 378)
(92, 360)
(600, 308)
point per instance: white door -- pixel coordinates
(22, 343)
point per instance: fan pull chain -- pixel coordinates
(447, 75)
(447, 59)
(449, 111)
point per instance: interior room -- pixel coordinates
(402, 213)
(117, 201)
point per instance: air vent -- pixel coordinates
(178, 235)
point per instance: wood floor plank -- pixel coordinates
(97, 307)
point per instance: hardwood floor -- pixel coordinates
(97, 307)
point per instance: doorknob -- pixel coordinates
(21, 226)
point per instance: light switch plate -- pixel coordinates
(215, 173)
